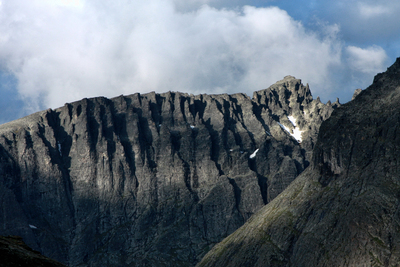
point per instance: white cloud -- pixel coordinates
(64, 3)
(61, 54)
(370, 11)
(191, 5)
(187, 5)
(370, 60)
(363, 22)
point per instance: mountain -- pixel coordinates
(152, 179)
(15, 253)
(343, 210)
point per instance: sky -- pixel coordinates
(54, 52)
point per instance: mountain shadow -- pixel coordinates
(344, 209)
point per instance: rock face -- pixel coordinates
(15, 253)
(344, 209)
(153, 179)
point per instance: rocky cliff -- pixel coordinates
(152, 179)
(344, 209)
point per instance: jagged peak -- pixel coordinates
(288, 82)
(391, 72)
(354, 175)
(289, 92)
(356, 93)
(293, 85)
(289, 78)
(156, 150)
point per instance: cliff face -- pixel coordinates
(153, 179)
(344, 209)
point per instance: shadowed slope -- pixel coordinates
(344, 209)
(14, 253)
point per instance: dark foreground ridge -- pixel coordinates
(153, 179)
(15, 253)
(343, 210)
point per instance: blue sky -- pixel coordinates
(58, 51)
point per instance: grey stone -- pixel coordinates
(356, 93)
(151, 179)
(343, 210)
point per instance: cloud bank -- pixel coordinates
(62, 51)
(363, 20)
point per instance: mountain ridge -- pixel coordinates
(152, 179)
(343, 210)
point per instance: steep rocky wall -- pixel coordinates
(153, 179)
(344, 210)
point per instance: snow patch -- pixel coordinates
(192, 126)
(254, 153)
(32, 226)
(292, 120)
(296, 133)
